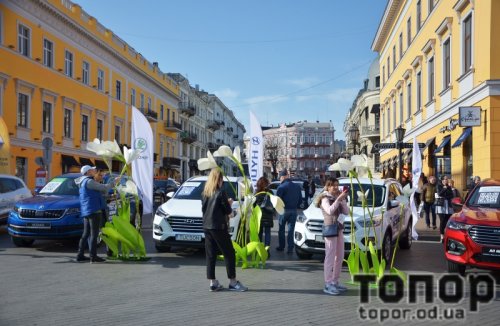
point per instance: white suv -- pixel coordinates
(179, 221)
(308, 239)
(12, 190)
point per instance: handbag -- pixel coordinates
(331, 230)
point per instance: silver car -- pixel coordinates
(12, 190)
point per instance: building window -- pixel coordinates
(142, 103)
(47, 117)
(118, 90)
(100, 79)
(22, 110)
(85, 128)
(21, 168)
(419, 15)
(85, 72)
(23, 40)
(408, 33)
(431, 6)
(431, 78)
(393, 58)
(48, 53)
(408, 100)
(377, 82)
(100, 124)
(394, 114)
(446, 64)
(132, 97)
(68, 63)
(388, 67)
(383, 74)
(67, 123)
(117, 133)
(161, 111)
(467, 44)
(149, 104)
(400, 46)
(401, 108)
(419, 91)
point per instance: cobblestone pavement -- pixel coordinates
(43, 285)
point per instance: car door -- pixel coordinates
(4, 196)
(393, 212)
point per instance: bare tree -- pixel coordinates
(271, 154)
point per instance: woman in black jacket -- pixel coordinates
(443, 203)
(266, 206)
(216, 207)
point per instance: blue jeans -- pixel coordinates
(289, 217)
(91, 225)
(267, 235)
(430, 208)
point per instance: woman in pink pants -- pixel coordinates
(333, 203)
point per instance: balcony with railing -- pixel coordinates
(370, 131)
(188, 137)
(172, 126)
(212, 146)
(187, 109)
(213, 125)
(151, 115)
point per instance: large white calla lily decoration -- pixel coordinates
(129, 188)
(404, 197)
(223, 151)
(130, 155)
(106, 148)
(342, 165)
(207, 163)
(278, 204)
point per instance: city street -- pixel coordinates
(44, 285)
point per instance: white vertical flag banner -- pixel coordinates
(142, 167)
(416, 170)
(256, 155)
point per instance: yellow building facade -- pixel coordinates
(437, 59)
(66, 78)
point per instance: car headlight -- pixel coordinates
(454, 225)
(73, 211)
(16, 209)
(161, 212)
(301, 218)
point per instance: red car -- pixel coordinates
(472, 236)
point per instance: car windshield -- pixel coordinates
(193, 190)
(486, 196)
(60, 186)
(379, 194)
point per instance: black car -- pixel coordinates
(161, 187)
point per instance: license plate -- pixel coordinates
(39, 225)
(188, 237)
(492, 252)
(319, 238)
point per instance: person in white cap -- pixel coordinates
(91, 206)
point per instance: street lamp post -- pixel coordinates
(400, 134)
(354, 136)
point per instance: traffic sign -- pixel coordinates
(410, 145)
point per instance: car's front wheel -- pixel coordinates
(456, 268)
(386, 249)
(406, 240)
(21, 242)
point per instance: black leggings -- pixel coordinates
(219, 241)
(443, 220)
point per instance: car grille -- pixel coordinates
(316, 225)
(33, 213)
(485, 235)
(186, 224)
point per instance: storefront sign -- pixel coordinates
(453, 123)
(469, 116)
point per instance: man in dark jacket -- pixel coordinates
(291, 194)
(91, 207)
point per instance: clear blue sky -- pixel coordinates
(287, 60)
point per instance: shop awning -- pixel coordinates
(466, 133)
(101, 165)
(86, 161)
(445, 141)
(69, 160)
(428, 143)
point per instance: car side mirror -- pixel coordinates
(170, 194)
(393, 203)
